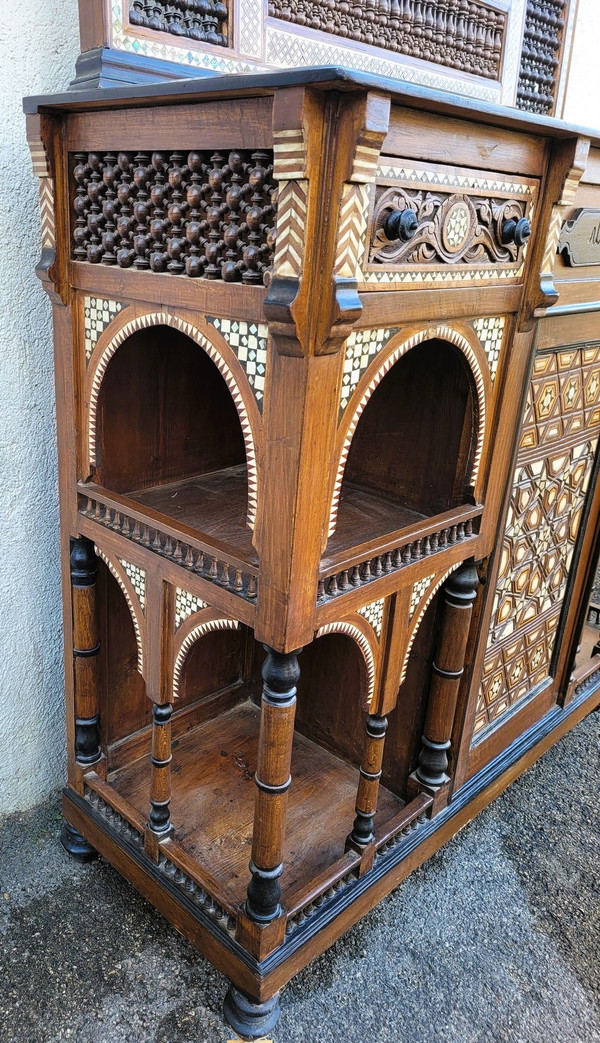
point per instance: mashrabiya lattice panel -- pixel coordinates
(98, 312)
(550, 483)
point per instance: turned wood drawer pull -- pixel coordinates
(516, 232)
(401, 224)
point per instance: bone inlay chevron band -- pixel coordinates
(433, 332)
(193, 636)
(162, 318)
(130, 604)
(357, 635)
(419, 611)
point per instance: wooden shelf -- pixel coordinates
(213, 505)
(365, 515)
(212, 805)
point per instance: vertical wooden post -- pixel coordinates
(460, 591)
(368, 786)
(161, 757)
(86, 645)
(278, 708)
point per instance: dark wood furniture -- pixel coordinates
(315, 392)
(509, 52)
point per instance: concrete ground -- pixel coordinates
(495, 940)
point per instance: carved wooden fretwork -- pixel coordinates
(201, 214)
(205, 22)
(551, 478)
(453, 228)
(460, 216)
(460, 35)
(209, 566)
(542, 41)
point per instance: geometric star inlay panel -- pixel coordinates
(550, 482)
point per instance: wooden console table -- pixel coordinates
(328, 456)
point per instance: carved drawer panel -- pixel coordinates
(445, 225)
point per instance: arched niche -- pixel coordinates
(332, 693)
(125, 707)
(213, 667)
(415, 440)
(164, 414)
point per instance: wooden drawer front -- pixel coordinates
(460, 215)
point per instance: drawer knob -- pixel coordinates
(516, 232)
(401, 224)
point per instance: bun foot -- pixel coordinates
(249, 1019)
(76, 844)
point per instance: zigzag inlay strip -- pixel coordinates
(291, 221)
(350, 630)
(191, 638)
(162, 318)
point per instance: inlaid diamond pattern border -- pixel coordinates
(98, 312)
(417, 593)
(185, 605)
(249, 342)
(138, 580)
(491, 334)
(361, 347)
(373, 613)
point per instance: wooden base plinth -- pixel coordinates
(76, 845)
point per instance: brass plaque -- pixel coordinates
(580, 238)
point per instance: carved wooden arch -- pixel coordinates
(469, 347)
(99, 366)
(137, 616)
(421, 609)
(190, 639)
(356, 634)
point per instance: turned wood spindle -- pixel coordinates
(278, 708)
(460, 591)
(368, 786)
(86, 645)
(160, 759)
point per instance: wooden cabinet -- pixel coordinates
(328, 449)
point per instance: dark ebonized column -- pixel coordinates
(368, 786)
(280, 675)
(460, 591)
(86, 646)
(160, 759)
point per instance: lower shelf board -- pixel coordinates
(212, 804)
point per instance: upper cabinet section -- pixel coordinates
(511, 52)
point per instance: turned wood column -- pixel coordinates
(368, 786)
(160, 759)
(278, 708)
(86, 645)
(460, 591)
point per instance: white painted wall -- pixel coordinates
(39, 45)
(39, 53)
(582, 99)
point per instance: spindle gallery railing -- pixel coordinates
(468, 36)
(223, 570)
(202, 20)
(542, 41)
(430, 540)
